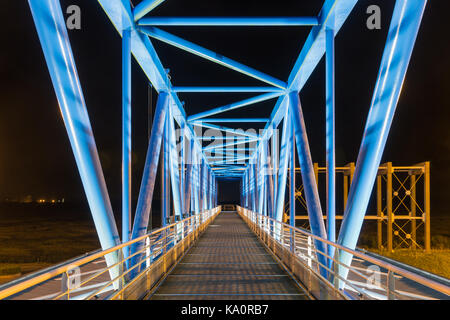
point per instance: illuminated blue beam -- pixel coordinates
(226, 89)
(261, 179)
(209, 138)
(187, 185)
(230, 120)
(308, 177)
(235, 21)
(210, 55)
(235, 105)
(330, 143)
(224, 145)
(402, 35)
(269, 181)
(143, 207)
(282, 171)
(51, 28)
(225, 129)
(126, 139)
(174, 169)
(145, 7)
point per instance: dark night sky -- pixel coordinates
(35, 154)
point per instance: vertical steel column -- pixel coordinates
(284, 160)
(275, 167)
(261, 173)
(182, 170)
(330, 143)
(188, 183)
(174, 169)
(166, 165)
(400, 42)
(52, 32)
(270, 187)
(252, 186)
(126, 139)
(204, 186)
(308, 177)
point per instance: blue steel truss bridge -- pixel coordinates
(245, 251)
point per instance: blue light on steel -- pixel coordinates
(309, 181)
(126, 138)
(51, 28)
(230, 120)
(227, 89)
(208, 54)
(173, 163)
(330, 143)
(144, 203)
(145, 7)
(402, 35)
(282, 171)
(224, 21)
(232, 106)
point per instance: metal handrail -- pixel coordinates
(171, 232)
(264, 223)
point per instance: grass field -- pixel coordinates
(32, 238)
(437, 261)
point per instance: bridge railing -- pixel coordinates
(89, 278)
(368, 278)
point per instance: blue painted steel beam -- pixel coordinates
(174, 169)
(126, 139)
(330, 143)
(262, 173)
(269, 181)
(144, 7)
(221, 138)
(275, 165)
(235, 105)
(51, 28)
(230, 120)
(402, 35)
(235, 21)
(225, 129)
(226, 89)
(188, 184)
(282, 171)
(144, 203)
(292, 181)
(224, 145)
(182, 169)
(210, 55)
(308, 177)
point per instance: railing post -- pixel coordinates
(391, 285)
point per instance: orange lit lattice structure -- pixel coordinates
(401, 200)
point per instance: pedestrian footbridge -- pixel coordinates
(225, 255)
